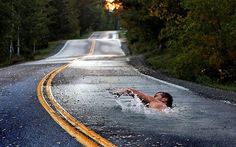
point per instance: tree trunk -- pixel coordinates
(18, 41)
(11, 49)
(34, 49)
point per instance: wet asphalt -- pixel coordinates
(84, 89)
(23, 121)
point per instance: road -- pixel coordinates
(83, 90)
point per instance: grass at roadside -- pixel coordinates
(228, 87)
(86, 35)
(122, 34)
(157, 63)
(40, 53)
(4, 64)
(43, 53)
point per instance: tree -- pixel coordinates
(39, 32)
(194, 38)
(145, 20)
(30, 24)
(90, 14)
(142, 28)
(59, 23)
(34, 31)
(73, 18)
(207, 34)
(5, 12)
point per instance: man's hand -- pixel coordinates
(125, 92)
(130, 92)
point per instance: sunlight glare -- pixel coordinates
(111, 5)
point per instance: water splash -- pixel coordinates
(117, 92)
(131, 103)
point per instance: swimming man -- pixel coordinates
(159, 101)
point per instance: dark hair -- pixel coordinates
(169, 98)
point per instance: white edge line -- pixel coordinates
(91, 36)
(155, 79)
(33, 62)
(60, 50)
(164, 82)
(119, 42)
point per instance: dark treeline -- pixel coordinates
(190, 39)
(28, 25)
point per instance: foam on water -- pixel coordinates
(129, 104)
(132, 104)
(135, 105)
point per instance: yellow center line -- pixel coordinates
(69, 117)
(67, 127)
(73, 121)
(91, 49)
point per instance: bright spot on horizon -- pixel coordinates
(111, 1)
(111, 5)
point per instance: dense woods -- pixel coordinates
(190, 39)
(28, 25)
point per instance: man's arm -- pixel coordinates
(145, 98)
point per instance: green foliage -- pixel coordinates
(208, 27)
(59, 20)
(146, 22)
(89, 15)
(28, 25)
(94, 17)
(33, 28)
(45, 52)
(73, 15)
(188, 39)
(4, 19)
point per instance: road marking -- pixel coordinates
(91, 49)
(164, 82)
(91, 36)
(86, 137)
(67, 127)
(69, 117)
(65, 45)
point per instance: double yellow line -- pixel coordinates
(91, 49)
(76, 129)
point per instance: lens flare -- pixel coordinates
(111, 5)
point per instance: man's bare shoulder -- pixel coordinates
(157, 105)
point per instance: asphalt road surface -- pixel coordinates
(83, 89)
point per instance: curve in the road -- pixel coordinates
(71, 130)
(75, 128)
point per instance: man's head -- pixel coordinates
(165, 98)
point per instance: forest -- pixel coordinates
(29, 25)
(188, 39)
